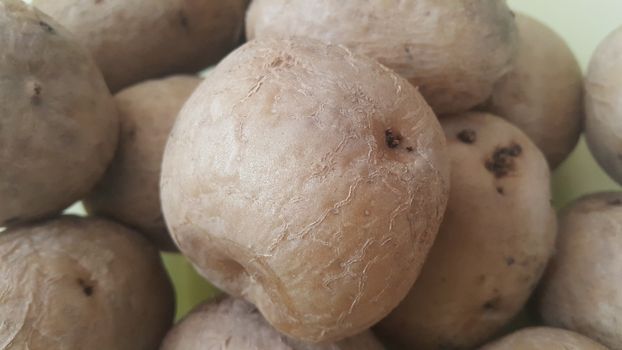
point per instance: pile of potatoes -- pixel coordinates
(353, 175)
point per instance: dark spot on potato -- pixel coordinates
(131, 134)
(502, 162)
(48, 28)
(393, 139)
(410, 149)
(183, 20)
(500, 190)
(615, 202)
(86, 288)
(97, 2)
(481, 279)
(509, 261)
(513, 14)
(467, 136)
(492, 304)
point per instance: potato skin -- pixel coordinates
(493, 244)
(234, 324)
(543, 94)
(579, 291)
(57, 116)
(279, 184)
(603, 98)
(453, 50)
(74, 284)
(540, 338)
(138, 40)
(130, 190)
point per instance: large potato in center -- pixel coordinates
(453, 50)
(310, 181)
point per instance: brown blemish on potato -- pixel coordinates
(393, 139)
(492, 304)
(509, 261)
(500, 190)
(48, 28)
(615, 202)
(86, 288)
(183, 20)
(502, 161)
(467, 136)
(410, 149)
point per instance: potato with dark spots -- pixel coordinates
(543, 94)
(58, 122)
(130, 190)
(581, 289)
(284, 183)
(493, 244)
(603, 98)
(452, 50)
(544, 338)
(234, 324)
(75, 284)
(136, 40)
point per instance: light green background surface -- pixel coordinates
(583, 23)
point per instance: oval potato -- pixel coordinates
(544, 338)
(310, 181)
(138, 40)
(58, 125)
(130, 190)
(493, 244)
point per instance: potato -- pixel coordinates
(581, 291)
(130, 191)
(73, 283)
(137, 40)
(453, 50)
(56, 116)
(310, 181)
(603, 99)
(543, 94)
(544, 338)
(233, 324)
(495, 239)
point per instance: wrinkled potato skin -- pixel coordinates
(581, 291)
(544, 338)
(75, 284)
(603, 86)
(496, 237)
(278, 184)
(56, 116)
(453, 50)
(138, 40)
(130, 190)
(233, 324)
(543, 94)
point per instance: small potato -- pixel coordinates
(603, 99)
(76, 284)
(543, 94)
(453, 50)
(308, 180)
(495, 240)
(58, 123)
(136, 40)
(233, 324)
(130, 190)
(582, 290)
(544, 338)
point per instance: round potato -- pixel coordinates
(453, 50)
(494, 242)
(603, 99)
(137, 40)
(56, 116)
(233, 324)
(544, 338)
(580, 291)
(130, 190)
(310, 181)
(543, 94)
(75, 284)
